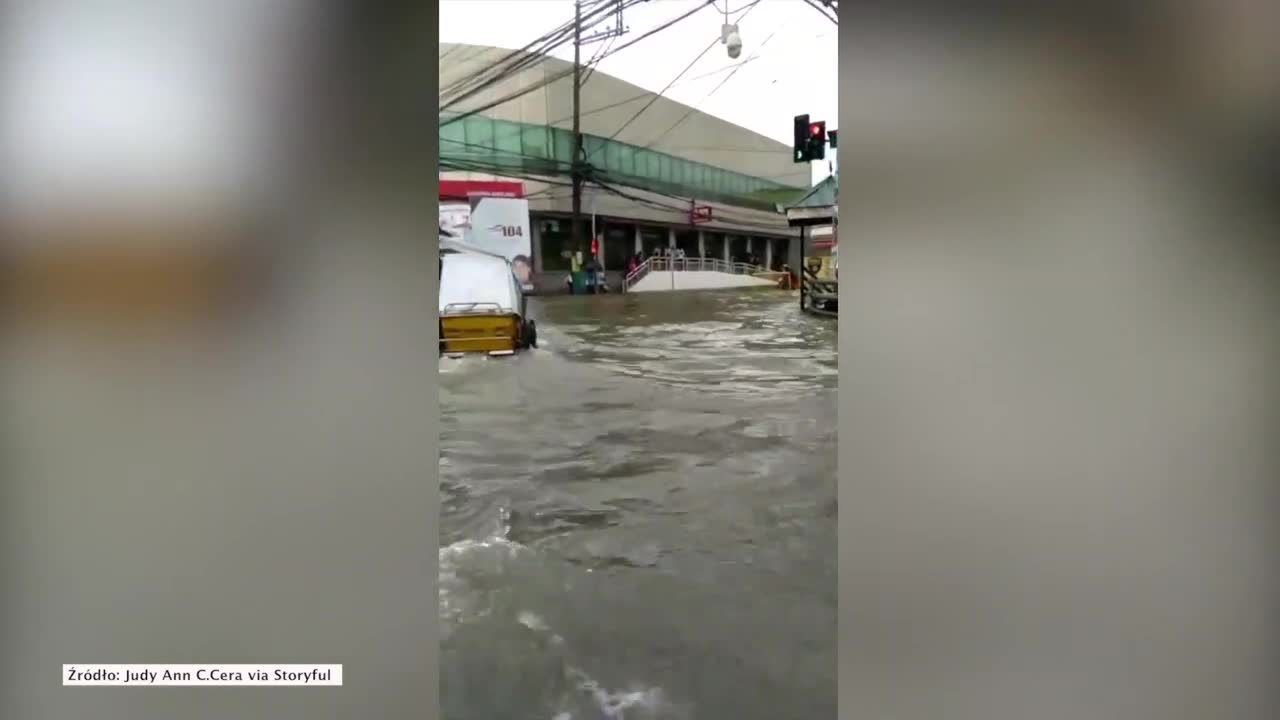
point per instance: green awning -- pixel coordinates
(489, 145)
(823, 195)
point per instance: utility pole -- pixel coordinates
(576, 167)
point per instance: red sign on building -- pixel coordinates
(467, 189)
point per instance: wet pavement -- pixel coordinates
(639, 517)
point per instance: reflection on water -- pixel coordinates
(639, 517)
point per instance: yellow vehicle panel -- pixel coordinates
(480, 333)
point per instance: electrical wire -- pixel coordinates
(528, 56)
(552, 178)
(544, 82)
(642, 96)
(683, 209)
(654, 99)
(449, 52)
(553, 169)
(546, 193)
(714, 148)
(550, 162)
(507, 98)
(552, 38)
(647, 93)
(822, 11)
(539, 50)
(552, 174)
(660, 28)
(746, 10)
(463, 166)
(594, 62)
(569, 71)
(694, 108)
(511, 56)
(724, 213)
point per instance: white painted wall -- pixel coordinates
(658, 281)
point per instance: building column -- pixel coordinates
(702, 244)
(768, 253)
(671, 237)
(535, 244)
(639, 242)
(600, 236)
(728, 248)
(750, 243)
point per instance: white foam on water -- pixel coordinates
(614, 705)
(609, 704)
(531, 621)
(453, 365)
(452, 558)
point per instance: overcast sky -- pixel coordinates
(788, 60)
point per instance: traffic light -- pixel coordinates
(800, 147)
(817, 140)
(595, 247)
(811, 139)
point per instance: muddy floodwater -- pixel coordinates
(639, 517)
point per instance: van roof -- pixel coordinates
(467, 278)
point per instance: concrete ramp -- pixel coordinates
(665, 280)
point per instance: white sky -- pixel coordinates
(792, 51)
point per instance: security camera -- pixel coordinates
(734, 44)
(729, 36)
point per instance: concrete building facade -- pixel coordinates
(628, 220)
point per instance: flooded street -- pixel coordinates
(639, 517)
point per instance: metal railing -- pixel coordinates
(663, 263)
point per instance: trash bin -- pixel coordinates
(580, 283)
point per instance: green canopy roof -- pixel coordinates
(816, 207)
(823, 195)
(484, 144)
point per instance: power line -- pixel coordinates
(632, 99)
(557, 33)
(692, 109)
(822, 11)
(515, 67)
(648, 93)
(449, 52)
(566, 73)
(746, 7)
(508, 98)
(597, 57)
(683, 213)
(660, 28)
(713, 148)
(728, 216)
(475, 167)
(517, 60)
(470, 52)
(547, 80)
(510, 153)
(463, 165)
(654, 99)
(538, 50)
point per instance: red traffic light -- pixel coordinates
(595, 246)
(815, 129)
